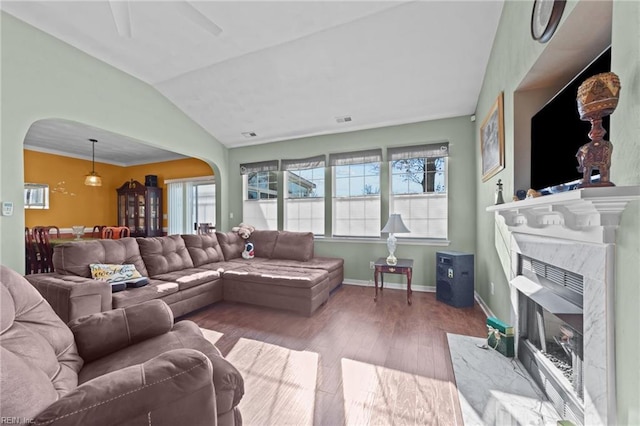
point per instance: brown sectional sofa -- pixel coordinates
(191, 271)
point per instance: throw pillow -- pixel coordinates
(113, 273)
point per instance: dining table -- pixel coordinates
(57, 241)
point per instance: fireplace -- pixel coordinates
(551, 343)
(558, 254)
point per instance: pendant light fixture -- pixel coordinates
(93, 179)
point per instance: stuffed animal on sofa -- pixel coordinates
(248, 252)
(244, 230)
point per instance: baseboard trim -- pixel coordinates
(485, 308)
(394, 286)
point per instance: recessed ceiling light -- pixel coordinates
(249, 134)
(344, 119)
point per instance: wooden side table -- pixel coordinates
(404, 267)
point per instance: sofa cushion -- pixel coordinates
(188, 278)
(73, 258)
(231, 244)
(264, 242)
(328, 264)
(156, 289)
(278, 276)
(294, 246)
(203, 248)
(164, 254)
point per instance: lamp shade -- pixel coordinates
(93, 179)
(395, 225)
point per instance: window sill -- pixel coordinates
(383, 241)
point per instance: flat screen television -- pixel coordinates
(557, 133)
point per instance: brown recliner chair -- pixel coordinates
(130, 366)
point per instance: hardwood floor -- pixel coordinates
(353, 362)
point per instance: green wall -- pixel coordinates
(625, 136)
(43, 77)
(514, 59)
(458, 131)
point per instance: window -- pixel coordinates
(36, 196)
(304, 199)
(190, 201)
(356, 193)
(262, 185)
(419, 189)
(260, 188)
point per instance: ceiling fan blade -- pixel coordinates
(121, 17)
(199, 18)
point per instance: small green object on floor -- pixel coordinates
(564, 423)
(500, 336)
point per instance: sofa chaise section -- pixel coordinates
(294, 289)
(282, 249)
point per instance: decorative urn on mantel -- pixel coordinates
(587, 214)
(597, 98)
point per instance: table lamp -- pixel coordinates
(394, 225)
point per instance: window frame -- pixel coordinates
(356, 159)
(432, 201)
(317, 201)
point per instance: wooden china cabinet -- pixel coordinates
(140, 209)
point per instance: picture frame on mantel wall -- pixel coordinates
(492, 140)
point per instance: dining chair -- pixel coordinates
(206, 228)
(97, 231)
(115, 232)
(45, 251)
(32, 259)
(52, 228)
(48, 229)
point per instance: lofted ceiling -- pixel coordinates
(284, 70)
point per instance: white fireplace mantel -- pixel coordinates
(575, 231)
(589, 214)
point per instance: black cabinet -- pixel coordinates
(454, 278)
(140, 209)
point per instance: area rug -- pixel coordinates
(496, 390)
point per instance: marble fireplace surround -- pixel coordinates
(575, 231)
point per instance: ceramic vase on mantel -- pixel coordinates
(597, 98)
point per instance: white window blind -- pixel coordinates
(304, 198)
(179, 214)
(356, 193)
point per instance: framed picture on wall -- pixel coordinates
(492, 140)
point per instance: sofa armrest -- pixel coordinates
(103, 333)
(72, 296)
(172, 388)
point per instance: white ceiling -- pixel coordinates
(287, 69)
(70, 138)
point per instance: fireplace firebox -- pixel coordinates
(551, 333)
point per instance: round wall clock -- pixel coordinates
(545, 18)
